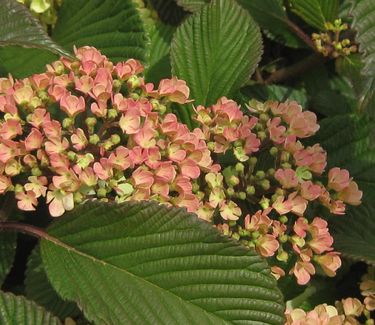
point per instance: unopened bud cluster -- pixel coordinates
(332, 43)
(90, 129)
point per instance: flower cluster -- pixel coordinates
(332, 43)
(347, 311)
(91, 129)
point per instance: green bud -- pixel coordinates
(94, 139)
(101, 192)
(283, 238)
(236, 236)
(286, 165)
(230, 191)
(274, 151)
(260, 174)
(134, 96)
(155, 103)
(282, 256)
(345, 42)
(233, 180)
(250, 190)
(36, 171)
(162, 109)
(112, 113)
(117, 85)
(240, 168)
(253, 161)
(196, 187)
(43, 95)
(72, 155)
(251, 244)
(241, 195)
(67, 122)
(265, 184)
(232, 223)
(115, 139)
(255, 234)
(134, 82)
(283, 219)
(78, 197)
(91, 121)
(271, 172)
(18, 188)
(264, 203)
(108, 144)
(264, 117)
(262, 135)
(211, 146)
(285, 156)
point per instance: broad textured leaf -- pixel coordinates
(355, 234)
(272, 18)
(17, 310)
(144, 263)
(316, 12)
(192, 5)
(364, 24)
(351, 68)
(8, 244)
(159, 65)
(349, 142)
(113, 26)
(40, 290)
(216, 50)
(19, 27)
(274, 92)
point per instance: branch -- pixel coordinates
(295, 70)
(301, 34)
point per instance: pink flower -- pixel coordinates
(130, 122)
(34, 140)
(72, 105)
(189, 168)
(126, 69)
(8, 150)
(23, 95)
(84, 84)
(300, 227)
(338, 179)
(176, 90)
(99, 109)
(188, 201)
(120, 159)
(351, 194)
(310, 191)
(281, 205)
(298, 204)
(37, 185)
(26, 201)
(230, 211)
(303, 124)
(103, 169)
(166, 172)
(303, 271)
(56, 146)
(10, 129)
(287, 178)
(276, 131)
(59, 201)
(252, 144)
(39, 117)
(145, 137)
(315, 158)
(142, 178)
(79, 139)
(267, 245)
(5, 183)
(329, 262)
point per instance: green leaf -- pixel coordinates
(19, 27)
(17, 310)
(144, 263)
(192, 5)
(8, 243)
(272, 18)
(159, 65)
(274, 92)
(40, 290)
(216, 50)
(112, 26)
(363, 23)
(354, 236)
(351, 67)
(316, 12)
(348, 140)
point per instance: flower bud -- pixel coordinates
(116, 85)
(72, 155)
(67, 122)
(101, 192)
(264, 117)
(134, 82)
(282, 256)
(283, 219)
(36, 171)
(236, 236)
(230, 191)
(112, 113)
(233, 180)
(115, 139)
(250, 190)
(274, 151)
(91, 121)
(240, 168)
(18, 188)
(77, 197)
(265, 184)
(94, 139)
(253, 161)
(241, 195)
(264, 203)
(260, 174)
(262, 135)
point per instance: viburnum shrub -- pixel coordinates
(88, 129)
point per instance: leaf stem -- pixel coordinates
(301, 34)
(295, 70)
